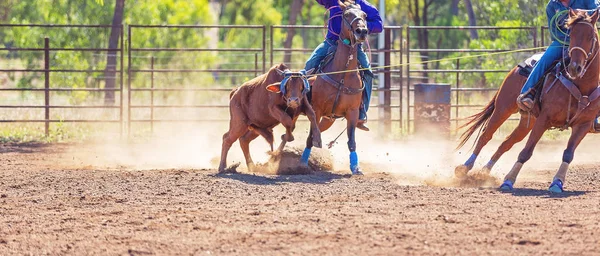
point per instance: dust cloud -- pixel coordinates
(413, 160)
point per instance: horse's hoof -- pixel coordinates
(317, 143)
(231, 169)
(507, 185)
(556, 186)
(288, 138)
(357, 171)
(227, 170)
(461, 171)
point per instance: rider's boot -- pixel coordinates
(367, 78)
(525, 100)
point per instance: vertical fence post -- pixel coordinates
(387, 78)
(121, 80)
(152, 95)
(271, 43)
(256, 64)
(535, 42)
(542, 36)
(400, 69)
(457, 90)
(264, 48)
(47, 85)
(129, 82)
(408, 78)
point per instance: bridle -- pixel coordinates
(593, 51)
(350, 23)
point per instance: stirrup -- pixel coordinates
(525, 103)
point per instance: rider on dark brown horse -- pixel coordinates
(374, 25)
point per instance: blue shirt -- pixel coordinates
(374, 23)
(555, 6)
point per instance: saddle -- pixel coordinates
(541, 87)
(337, 84)
(526, 67)
(328, 59)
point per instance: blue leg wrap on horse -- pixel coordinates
(305, 156)
(490, 164)
(552, 53)
(353, 160)
(471, 161)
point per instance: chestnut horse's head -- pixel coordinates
(293, 87)
(584, 40)
(354, 24)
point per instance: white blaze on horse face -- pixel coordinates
(580, 57)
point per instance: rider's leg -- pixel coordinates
(368, 81)
(554, 52)
(317, 56)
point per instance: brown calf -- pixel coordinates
(259, 105)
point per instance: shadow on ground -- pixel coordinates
(543, 193)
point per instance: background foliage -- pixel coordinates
(513, 13)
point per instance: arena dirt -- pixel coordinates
(112, 199)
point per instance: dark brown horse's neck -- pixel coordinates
(588, 83)
(344, 59)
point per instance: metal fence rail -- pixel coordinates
(258, 68)
(458, 87)
(396, 71)
(47, 70)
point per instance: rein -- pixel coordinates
(587, 62)
(583, 101)
(353, 45)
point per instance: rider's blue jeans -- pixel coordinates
(553, 53)
(324, 48)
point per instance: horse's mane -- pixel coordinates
(581, 16)
(350, 4)
(353, 6)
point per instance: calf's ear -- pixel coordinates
(274, 88)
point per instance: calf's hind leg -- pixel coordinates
(245, 145)
(237, 128)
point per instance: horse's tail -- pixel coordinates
(477, 122)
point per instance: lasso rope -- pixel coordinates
(433, 61)
(556, 22)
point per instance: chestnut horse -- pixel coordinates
(337, 92)
(563, 103)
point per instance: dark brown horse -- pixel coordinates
(337, 92)
(563, 103)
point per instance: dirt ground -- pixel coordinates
(52, 202)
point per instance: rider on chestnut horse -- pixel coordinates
(374, 25)
(555, 11)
